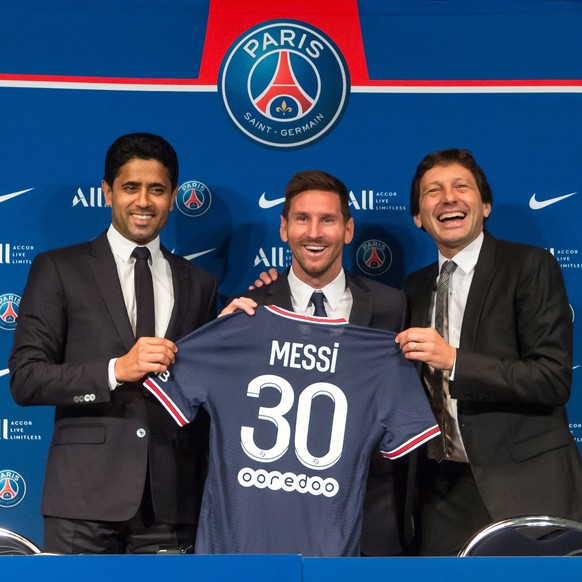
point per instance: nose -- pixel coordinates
(142, 198)
(314, 230)
(449, 194)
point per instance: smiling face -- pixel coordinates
(141, 199)
(450, 207)
(316, 232)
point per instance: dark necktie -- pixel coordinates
(145, 324)
(317, 300)
(441, 449)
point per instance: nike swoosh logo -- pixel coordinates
(5, 197)
(264, 203)
(4, 372)
(539, 204)
(196, 255)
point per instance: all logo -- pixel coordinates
(284, 83)
(273, 257)
(92, 198)
(194, 198)
(12, 488)
(15, 254)
(9, 304)
(374, 257)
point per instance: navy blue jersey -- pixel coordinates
(296, 404)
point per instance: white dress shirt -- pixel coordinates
(466, 261)
(162, 280)
(338, 297)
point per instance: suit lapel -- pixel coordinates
(181, 282)
(484, 271)
(420, 295)
(278, 293)
(362, 305)
(102, 265)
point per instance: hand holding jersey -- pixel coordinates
(295, 410)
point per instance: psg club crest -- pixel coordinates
(284, 83)
(374, 257)
(193, 198)
(12, 488)
(9, 304)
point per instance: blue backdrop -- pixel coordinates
(502, 79)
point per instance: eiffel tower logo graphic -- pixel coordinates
(284, 98)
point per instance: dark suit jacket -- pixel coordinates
(72, 321)
(381, 307)
(512, 380)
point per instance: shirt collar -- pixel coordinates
(123, 247)
(301, 292)
(466, 260)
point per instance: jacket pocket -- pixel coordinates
(80, 434)
(539, 444)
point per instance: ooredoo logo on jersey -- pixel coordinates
(284, 83)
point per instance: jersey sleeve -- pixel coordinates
(183, 388)
(404, 409)
(172, 397)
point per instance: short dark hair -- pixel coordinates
(444, 158)
(316, 180)
(142, 146)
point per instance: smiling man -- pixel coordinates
(316, 223)
(120, 477)
(500, 382)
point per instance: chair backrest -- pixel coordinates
(527, 536)
(13, 544)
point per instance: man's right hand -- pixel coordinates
(244, 303)
(265, 278)
(148, 355)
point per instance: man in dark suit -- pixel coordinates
(316, 223)
(120, 477)
(508, 361)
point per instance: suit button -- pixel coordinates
(140, 432)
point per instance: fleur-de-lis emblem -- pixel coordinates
(284, 108)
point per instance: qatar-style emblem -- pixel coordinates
(284, 83)
(374, 257)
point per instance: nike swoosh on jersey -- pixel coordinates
(5, 197)
(196, 255)
(539, 204)
(264, 203)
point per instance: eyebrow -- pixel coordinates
(148, 184)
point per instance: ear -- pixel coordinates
(349, 232)
(417, 221)
(173, 199)
(486, 210)
(105, 188)
(283, 230)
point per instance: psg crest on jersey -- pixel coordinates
(284, 83)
